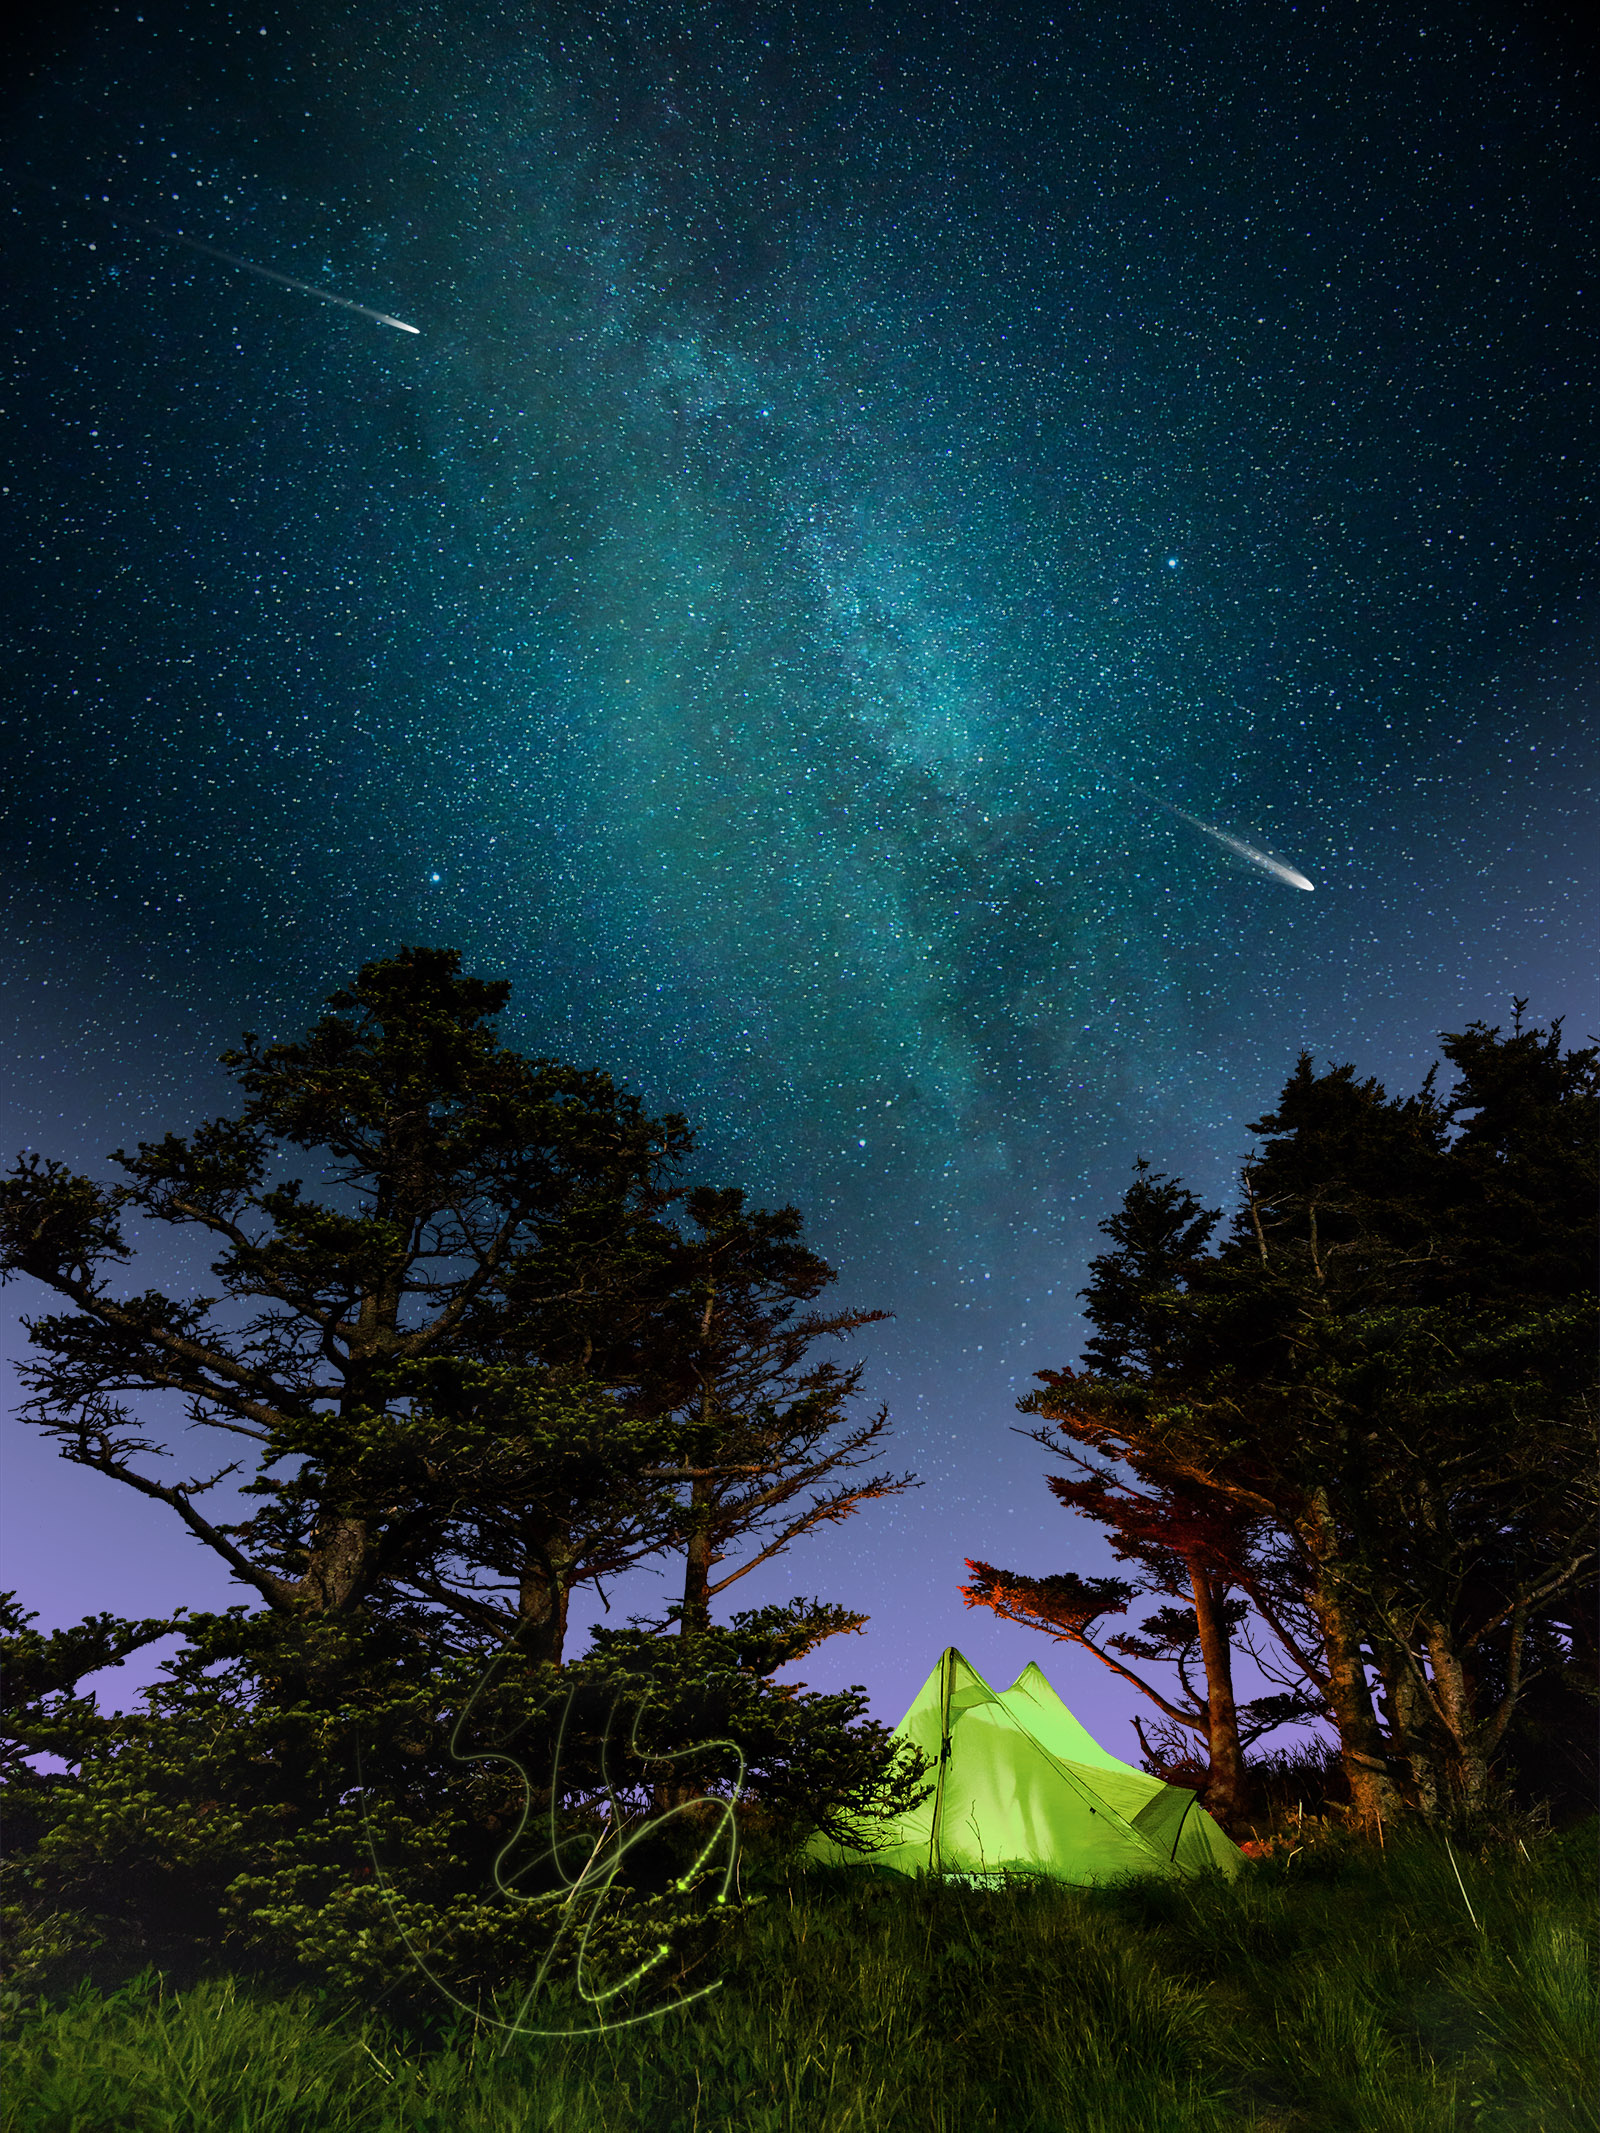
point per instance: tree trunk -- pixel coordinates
(697, 1554)
(336, 1572)
(1226, 1794)
(1362, 1748)
(1413, 1735)
(542, 1613)
(1452, 1690)
(697, 1562)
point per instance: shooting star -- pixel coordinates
(245, 266)
(248, 266)
(1279, 869)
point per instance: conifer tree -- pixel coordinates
(770, 1445)
(1189, 1546)
(446, 1159)
(1384, 1371)
(451, 1361)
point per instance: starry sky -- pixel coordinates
(867, 485)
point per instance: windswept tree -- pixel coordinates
(442, 1161)
(1396, 1362)
(1384, 1369)
(769, 1443)
(448, 1360)
(1189, 1548)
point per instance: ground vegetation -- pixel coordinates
(1334, 1988)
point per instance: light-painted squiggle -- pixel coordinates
(576, 1914)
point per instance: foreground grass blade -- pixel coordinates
(1350, 1991)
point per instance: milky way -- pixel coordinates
(840, 452)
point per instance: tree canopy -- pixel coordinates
(1361, 1413)
(468, 1343)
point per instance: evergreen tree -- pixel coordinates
(768, 1439)
(454, 1365)
(1190, 1546)
(1383, 1374)
(1414, 1356)
(446, 1159)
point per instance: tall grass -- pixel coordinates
(1339, 1990)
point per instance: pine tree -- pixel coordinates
(453, 1363)
(767, 1436)
(445, 1160)
(1190, 1547)
(1378, 1384)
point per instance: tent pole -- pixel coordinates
(946, 1680)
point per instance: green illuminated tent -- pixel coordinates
(1021, 1787)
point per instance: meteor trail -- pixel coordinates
(248, 266)
(245, 266)
(1279, 869)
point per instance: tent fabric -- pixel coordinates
(1020, 1787)
(1169, 1815)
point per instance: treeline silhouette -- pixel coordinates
(1352, 1422)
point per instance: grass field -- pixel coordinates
(1338, 1989)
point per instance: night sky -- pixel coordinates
(867, 487)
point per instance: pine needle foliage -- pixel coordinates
(445, 1368)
